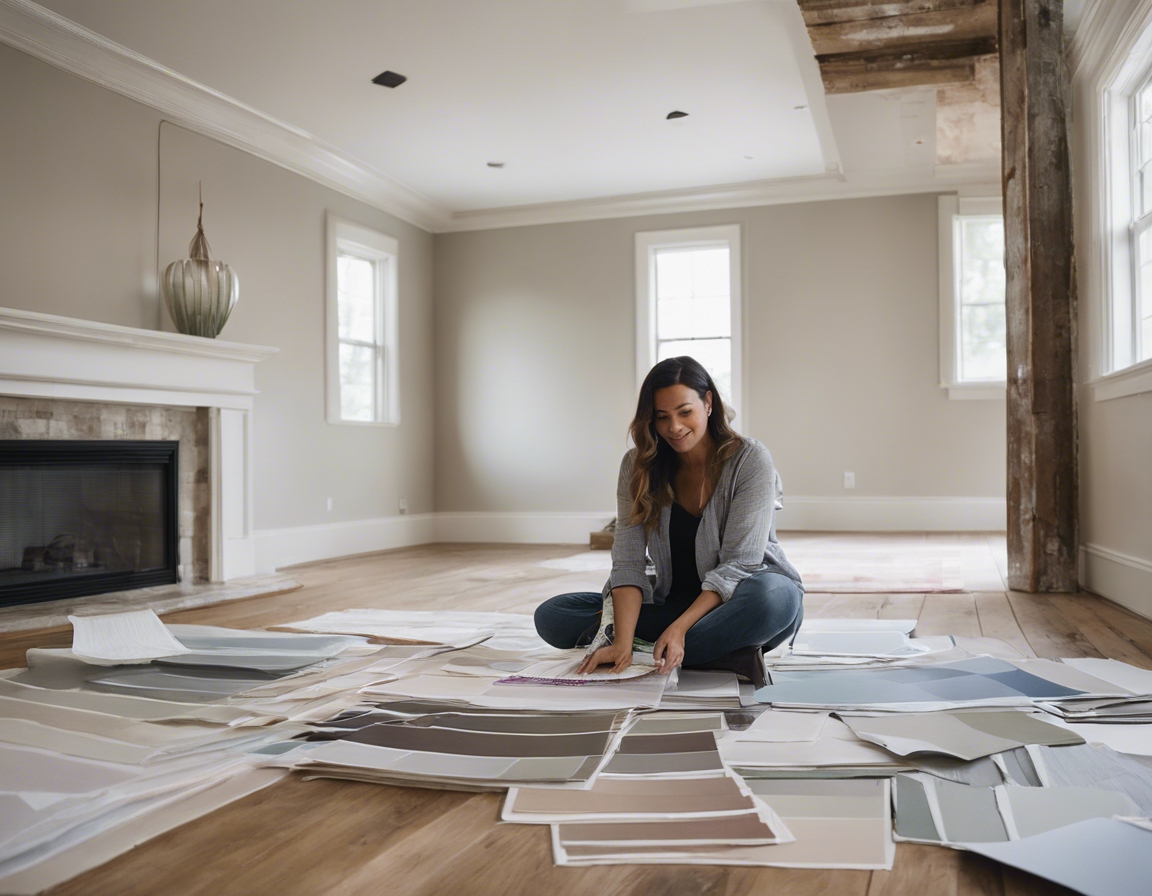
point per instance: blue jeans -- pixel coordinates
(765, 610)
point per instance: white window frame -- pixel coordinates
(952, 209)
(647, 242)
(1115, 371)
(385, 250)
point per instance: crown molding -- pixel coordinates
(41, 33)
(1108, 32)
(784, 191)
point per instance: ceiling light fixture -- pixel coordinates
(799, 108)
(389, 79)
(495, 164)
(677, 114)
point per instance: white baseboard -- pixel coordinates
(1119, 577)
(519, 528)
(276, 548)
(890, 514)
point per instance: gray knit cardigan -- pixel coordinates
(736, 537)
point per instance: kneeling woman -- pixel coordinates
(700, 500)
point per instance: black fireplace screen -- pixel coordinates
(82, 518)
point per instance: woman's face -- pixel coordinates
(682, 416)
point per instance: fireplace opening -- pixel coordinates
(79, 517)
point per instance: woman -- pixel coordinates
(701, 501)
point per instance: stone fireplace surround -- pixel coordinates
(62, 378)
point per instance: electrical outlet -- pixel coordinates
(403, 505)
(329, 503)
(849, 480)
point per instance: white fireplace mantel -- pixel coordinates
(53, 357)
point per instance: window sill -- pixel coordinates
(966, 391)
(1134, 380)
(377, 423)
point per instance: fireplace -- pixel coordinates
(86, 517)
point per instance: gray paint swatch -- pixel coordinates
(913, 817)
(1101, 857)
(969, 814)
(478, 743)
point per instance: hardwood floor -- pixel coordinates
(308, 837)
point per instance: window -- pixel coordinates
(1121, 225)
(973, 346)
(1140, 306)
(362, 385)
(688, 302)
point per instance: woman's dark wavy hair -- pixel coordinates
(655, 462)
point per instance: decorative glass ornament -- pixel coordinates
(200, 293)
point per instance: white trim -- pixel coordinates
(305, 544)
(780, 191)
(277, 548)
(1134, 380)
(94, 331)
(378, 246)
(39, 32)
(977, 391)
(649, 240)
(519, 527)
(893, 514)
(950, 208)
(1116, 576)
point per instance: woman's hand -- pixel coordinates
(669, 650)
(619, 655)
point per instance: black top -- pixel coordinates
(685, 586)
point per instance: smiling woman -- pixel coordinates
(700, 500)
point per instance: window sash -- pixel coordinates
(959, 375)
(377, 345)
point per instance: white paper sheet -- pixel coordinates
(783, 726)
(1131, 678)
(134, 637)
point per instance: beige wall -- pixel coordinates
(535, 341)
(1115, 435)
(78, 230)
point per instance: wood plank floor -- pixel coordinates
(309, 837)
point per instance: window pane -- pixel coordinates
(983, 353)
(1145, 107)
(1146, 339)
(673, 274)
(357, 382)
(982, 277)
(714, 354)
(692, 293)
(356, 298)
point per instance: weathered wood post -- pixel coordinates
(1041, 298)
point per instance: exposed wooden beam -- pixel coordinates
(946, 63)
(905, 32)
(940, 74)
(1041, 298)
(880, 60)
(823, 12)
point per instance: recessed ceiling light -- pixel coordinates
(389, 79)
(495, 164)
(749, 158)
(676, 114)
(799, 108)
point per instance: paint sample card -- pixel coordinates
(629, 799)
(735, 830)
(783, 726)
(1100, 857)
(974, 682)
(135, 637)
(834, 824)
(965, 735)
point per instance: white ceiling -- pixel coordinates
(571, 96)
